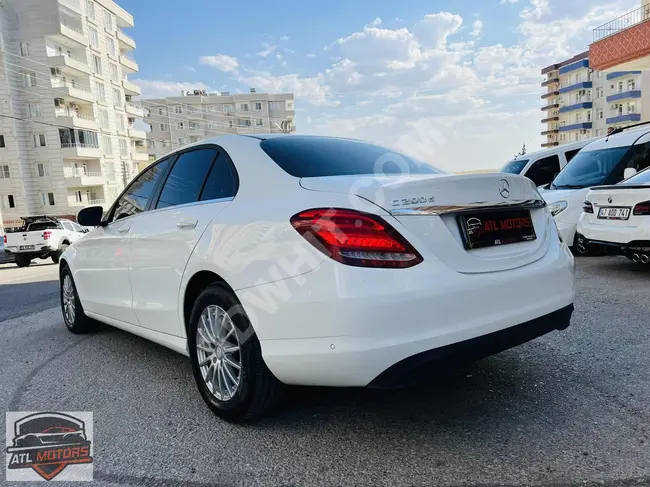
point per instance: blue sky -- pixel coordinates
(455, 82)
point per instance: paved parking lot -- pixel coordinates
(572, 407)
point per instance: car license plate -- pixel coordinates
(614, 213)
(26, 247)
(490, 228)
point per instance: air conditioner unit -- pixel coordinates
(613, 106)
(59, 102)
(583, 131)
(55, 71)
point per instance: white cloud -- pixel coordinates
(221, 61)
(375, 23)
(477, 28)
(191, 69)
(268, 49)
(311, 55)
(284, 38)
(289, 51)
(536, 10)
(508, 1)
(399, 19)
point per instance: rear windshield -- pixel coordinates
(642, 178)
(313, 157)
(515, 167)
(37, 226)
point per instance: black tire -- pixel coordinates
(22, 260)
(80, 324)
(55, 257)
(259, 392)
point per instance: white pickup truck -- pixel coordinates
(41, 237)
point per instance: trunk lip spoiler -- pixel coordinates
(467, 207)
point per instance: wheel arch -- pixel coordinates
(196, 284)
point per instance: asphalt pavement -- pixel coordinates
(29, 289)
(571, 408)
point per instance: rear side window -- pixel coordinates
(38, 226)
(570, 154)
(312, 157)
(544, 170)
(68, 226)
(222, 181)
(138, 194)
(186, 178)
(515, 167)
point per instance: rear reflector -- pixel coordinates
(355, 238)
(642, 209)
(587, 207)
(46, 235)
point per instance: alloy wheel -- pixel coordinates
(69, 300)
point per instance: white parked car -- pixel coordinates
(619, 216)
(542, 166)
(41, 237)
(605, 161)
(285, 259)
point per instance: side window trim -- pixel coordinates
(153, 203)
(233, 174)
(111, 212)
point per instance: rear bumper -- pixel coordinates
(427, 364)
(612, 234)
(567, 231)
(35, 251)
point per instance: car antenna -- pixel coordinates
(621, 129)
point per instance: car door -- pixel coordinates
(101, 263)
(200, 185)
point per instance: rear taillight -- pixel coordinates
(46, 235)
(355, 238)
(4, 239)
(642, 209)
(587, 207)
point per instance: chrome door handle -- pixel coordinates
(186, 225)
(124, 230)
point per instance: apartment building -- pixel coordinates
(581, 103)
(197, 115)
(67, 134)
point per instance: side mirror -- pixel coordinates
(629, 172)
(91, 216)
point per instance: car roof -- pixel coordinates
(558, 148)
(622, 139)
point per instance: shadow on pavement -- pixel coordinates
(23, 298)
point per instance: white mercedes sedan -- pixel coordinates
(279, 260)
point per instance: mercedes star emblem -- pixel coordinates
(504, 188)
(609, 200)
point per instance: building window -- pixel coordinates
(161, 112)
(229, 123)
(47, 199)
(4, 172)
(97, 65)
(275, 105)
(103, 119)
(164, 127)
(289, 105)
(259, 122)
(8, 201)
(39, 140)
(107, 145)
(631, 85)
(599, 132)
(94, 38)
(599, 113)
(77, 196)
(258, 106)
(244, 123)
(110, 45)
(212, 108)
(29, 79)
(90, 9)
(631, 107)
(180, 125)
(117, 97)
(178, 109)
(24, 48)
(599, 92)
(2, 141)
(243, 107)
(228, 108)
(620, 87)
(114, 75)
(578, 117)
(589, 116)
(124, 149)
(120, 123)
(108, 20)
(42, 170)
(101, 92)
(166, 143)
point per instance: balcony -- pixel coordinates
(620, 118)
(552, 131)
(550, 119)
(576, 126)
(583, 85)
(69, 64)
(550, 144)
(85, 203)
(196, 130)
(136, 110)
(623, 42)
(551, 106)
(618, 74)
(125, 41)
(623, 95)
(577, 106)
(71, 4)
(140, 154)
(551, 80)
(550, 94)
(73, 120)
(131, 88)
(69, 33)
(137, 134)
(66, 89)
(582, 64)
(80, 150)
(78, 178)
(129, 65)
